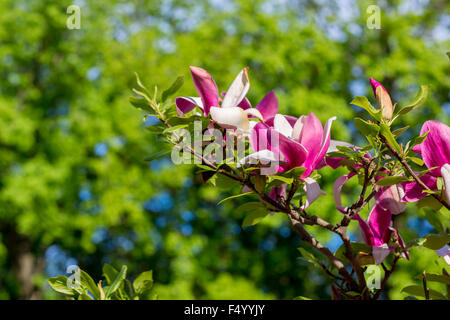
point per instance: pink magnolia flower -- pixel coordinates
(234, 109)
(435, 152)
(294, 143)
(377, 230)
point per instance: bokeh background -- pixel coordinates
(74, 185)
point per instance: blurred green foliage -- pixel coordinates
(74, 186)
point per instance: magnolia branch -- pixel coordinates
(298, 220)
(412, 173)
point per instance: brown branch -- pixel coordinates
(305, 236)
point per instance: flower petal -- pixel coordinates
(206, 88)
(255, 113)
(366, 232)
(281, 124)
(313, 192)
(293, 152)
(414, 192)
(375, 84)
(292, 120)
(309, 132)
(325, 142)
(379, 222)
(230, 118)
(380, 253)
(435, 150)
(389, 199)
(337, 188)
(335, 143)
(264, 155)
(268, 106)
(244, 104)
(187, 104)
(237, 90)
(259, 137)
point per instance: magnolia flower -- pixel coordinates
(302, 143)
(234, 110)
(435, 152)
(377, 230)
(383, 100)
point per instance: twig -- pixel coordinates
(387, 274)
(425, 287)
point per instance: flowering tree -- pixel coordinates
(277, 160)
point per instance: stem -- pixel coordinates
(425, 287)
(387, 274)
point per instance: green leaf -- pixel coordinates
(140, 103)
(143, 282)
(138, 81)
(236, 196)
(309, 257)
(301, 298)
(435, 278)
(89, 284)
(117, 282)
(390, 181)
(280, 178)
(431, 241)
(356, 247)
(174, 128)
(84, 296)
(366, 128)
(362, 102)
(436, 241)
(204, 167)
(254, 217)
(436, 220)
(417, 161)
(176, 85)
(386, 132)
(294, 172)
(110, 273)
(250, 206)
(423, 93)
(419, 292)
(429, 202)
(398, 132)
(157, 155)
(221, 181)
(59, 284)
(418, 140)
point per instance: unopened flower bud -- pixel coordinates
(383, 100)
